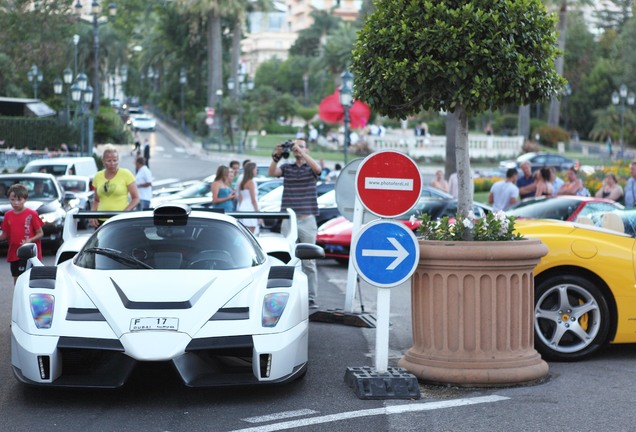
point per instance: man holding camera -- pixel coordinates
(299, 194)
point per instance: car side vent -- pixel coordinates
(43, 277)
(280, 277)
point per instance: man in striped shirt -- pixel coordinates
(299, 194)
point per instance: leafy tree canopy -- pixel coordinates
(444, 54)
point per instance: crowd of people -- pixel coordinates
(518, 186)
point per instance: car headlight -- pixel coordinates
(42, 309)
(273, 307)
(52, 217)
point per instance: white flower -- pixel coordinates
(468, 223)
(412, 219)
(471, 215)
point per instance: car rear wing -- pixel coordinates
(70, 224)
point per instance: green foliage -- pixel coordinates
(505, 124)
(496, 226)
(549, 136)
(109, 128)
(441, 55)
(277, 128)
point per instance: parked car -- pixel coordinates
(562, 207)
(335, 235)
(216, 303)
(144, 123)
(584, 286)
(83, 166)
(46, 197)
(81, 187)
(541, 160)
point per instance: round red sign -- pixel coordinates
(388, 183)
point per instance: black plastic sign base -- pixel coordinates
(338, 316)
(395, 383)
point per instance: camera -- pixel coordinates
(287, 145)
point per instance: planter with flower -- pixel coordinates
(472, 304)
(472, 300)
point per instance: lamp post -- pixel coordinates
(35, 76)
(183, 79)
(67, 75)
(306, 88)
(219, 99)
(151, 75)
(567, 92)
(621, 96)
(96, 10)
(76, 40)
(240, 91)
(346, 100)
(82, 94)
(123, 72)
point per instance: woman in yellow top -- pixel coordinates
(113, 185)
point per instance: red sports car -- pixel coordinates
(563, 207)
(334, 236)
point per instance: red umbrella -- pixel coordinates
(331, 111)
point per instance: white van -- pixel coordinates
(84, 166)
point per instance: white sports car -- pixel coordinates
(194, 288)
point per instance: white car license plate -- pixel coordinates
(138, 324)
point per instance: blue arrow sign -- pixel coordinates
(385, 253)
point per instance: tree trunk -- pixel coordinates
(555, 102)
(523, 125)
(451, 127)
(236, 56)
(465, 191)
(215, 57)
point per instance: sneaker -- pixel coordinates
(313, 304)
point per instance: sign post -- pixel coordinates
(385, 254)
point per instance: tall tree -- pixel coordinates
(460, 56)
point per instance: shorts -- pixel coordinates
(18, 267)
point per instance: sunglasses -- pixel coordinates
(106, 186)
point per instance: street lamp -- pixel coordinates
(346, 100)
(567, 92)
(621, 96)
(96, 10)
(82, 94)
(67, 76)
(219, 101)
(35, 76)
(76, 40)
(183, 79)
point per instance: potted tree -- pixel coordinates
(472, 322)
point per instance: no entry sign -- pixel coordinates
(388, 183)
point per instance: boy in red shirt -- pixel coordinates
(20, 225)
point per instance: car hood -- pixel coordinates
(123, 295)
(40, 206)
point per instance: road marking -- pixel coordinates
(280, 416)
(179, 150)
(395, 409)
(399, 253)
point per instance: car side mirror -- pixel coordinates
(309, 251)
(69, 196)
(27, 251)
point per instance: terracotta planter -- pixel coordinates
(472, 307)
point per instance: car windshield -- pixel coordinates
(559, 209)
(73, 185)
(39, 188)
(56, 170)
(201, 244)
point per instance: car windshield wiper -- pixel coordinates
(118, 256)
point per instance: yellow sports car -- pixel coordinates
(585, 287)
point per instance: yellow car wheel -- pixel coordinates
(572, 318)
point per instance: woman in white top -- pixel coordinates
(247, 195)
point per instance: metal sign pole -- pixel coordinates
(352, 274)
(382, 330)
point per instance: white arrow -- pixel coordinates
(399, 253)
